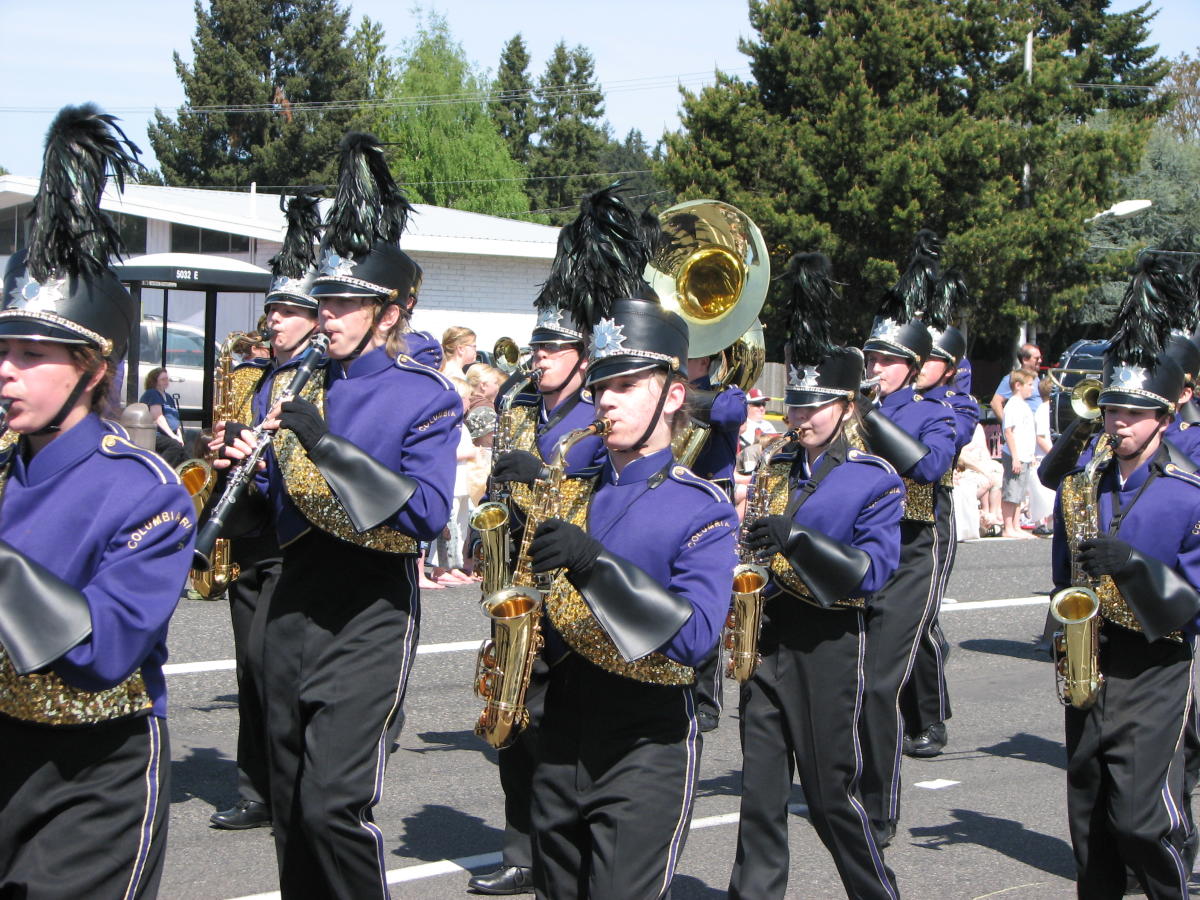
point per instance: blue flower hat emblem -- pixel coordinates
(34, 296)
(335, 266)
(1128, 377)
(804, 378)
(885, 329)
(550, 318)
(607, 339)
(286, 283)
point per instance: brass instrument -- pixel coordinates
(508, 357)
(198, 477)
(506, 659)
(1077, 646)
(750, 576)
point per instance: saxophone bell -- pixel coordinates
(745, 618)
(505, 663)
(491, 521)
(1076, 646)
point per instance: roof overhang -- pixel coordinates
(194, 272)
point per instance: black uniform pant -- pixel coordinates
(249, 598)
(799, 714)
(341, 634)
(1125, 769)
(925, 700)
(612, 795)
(710, 683)
(896, 618)
(517, 764)
(83, 810)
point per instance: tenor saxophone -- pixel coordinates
(505, 661)
(744, 623)
(1077, 646)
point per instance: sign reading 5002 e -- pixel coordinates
(187, 275)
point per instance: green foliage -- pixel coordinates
(444, 146)
(571, 135)
(633, 155)
(512, 109)
(1182, 85)
(271, 56)
(869, 119)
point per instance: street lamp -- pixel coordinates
(1122, 209)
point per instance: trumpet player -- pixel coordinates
(535, 410)
(1129, 526)
(361, 471)
(916, 435)
(832, 536)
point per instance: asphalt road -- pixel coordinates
(987, 818)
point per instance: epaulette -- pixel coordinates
(118, 447)
(1174, 471)
(684, 475)
(408, 364)
(870, 459)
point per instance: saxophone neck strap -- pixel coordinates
(830, 460)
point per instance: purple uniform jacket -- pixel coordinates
(1185, 436)
(859, 504)
(931, 422)
(588, 455)
(112, 520)
(1164, 523)
(726, 418)
(403, 414)
(966, 412)
(681, 531)
(962, 377)
(424, 348)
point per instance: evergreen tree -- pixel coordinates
(869, 119)
(634, 156)
(374, 68)
(571, 135)
(445, 148)
(271, 57)
(512, 106)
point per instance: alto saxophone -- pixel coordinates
(199, 478)
(1077, 646)
(506, 659)
(744, 623)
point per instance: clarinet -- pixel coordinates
(242, 474)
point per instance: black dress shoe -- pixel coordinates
(708, 721)
(505, 880)
(928, 743)
(243, 814)
(884, 832)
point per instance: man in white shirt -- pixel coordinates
(1029, 358)
(1020, 445)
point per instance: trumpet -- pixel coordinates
(241, 475)
(4, 406)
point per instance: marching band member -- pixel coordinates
(925, 702)
(549, 403)
(361, 471)
(95, 543)
(917, 437)
(833, 538)
(648, 562)
(1137, 541)
(291, 319)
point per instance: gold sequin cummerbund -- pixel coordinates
(46, 699)
(918, 502)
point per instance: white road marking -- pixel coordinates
(960, 605)
(465, 863)
(936, 785)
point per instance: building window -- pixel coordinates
(133, 233)
(187, 239)
(12, 227)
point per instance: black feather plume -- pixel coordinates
(1193, 282)
(369, 206)
(71, 234)
(811, 297)
(909, 297)
(601, 257)
(949, 296)
(1155, 301)
(298, 254)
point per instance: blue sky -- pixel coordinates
(118, 53)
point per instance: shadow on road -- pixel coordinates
(440, 832)
(452, 740)
(727, 785)
(1000, 647)
(685, 887)
(1014, 840)
(1031, 748)
(205, 774)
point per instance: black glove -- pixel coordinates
(1103, 555)
(769, 535)
(303, 419)
(517, 465)
(233, 431)
(561, 545)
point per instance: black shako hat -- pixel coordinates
(294, 267)
(360, 253)
(1138, 372)
(639, 335)
(819, 372)
(896, 330)
(61, 288)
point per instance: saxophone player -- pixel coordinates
(537, 410)
(832, 536)
(1125, 753)
(291, 319)
(361, 471)
(643, 585)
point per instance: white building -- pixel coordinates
(479, 271)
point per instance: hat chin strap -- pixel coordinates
(1138, 452)
(541, 385)
(662, 401)
(55, 424)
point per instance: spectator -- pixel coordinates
(449, 569)
(458, 349)
(1041, 498)
(756, 423)
(979, 476)
(485, 384)
(163, 407)
(1017, 453)
(1030, 359)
